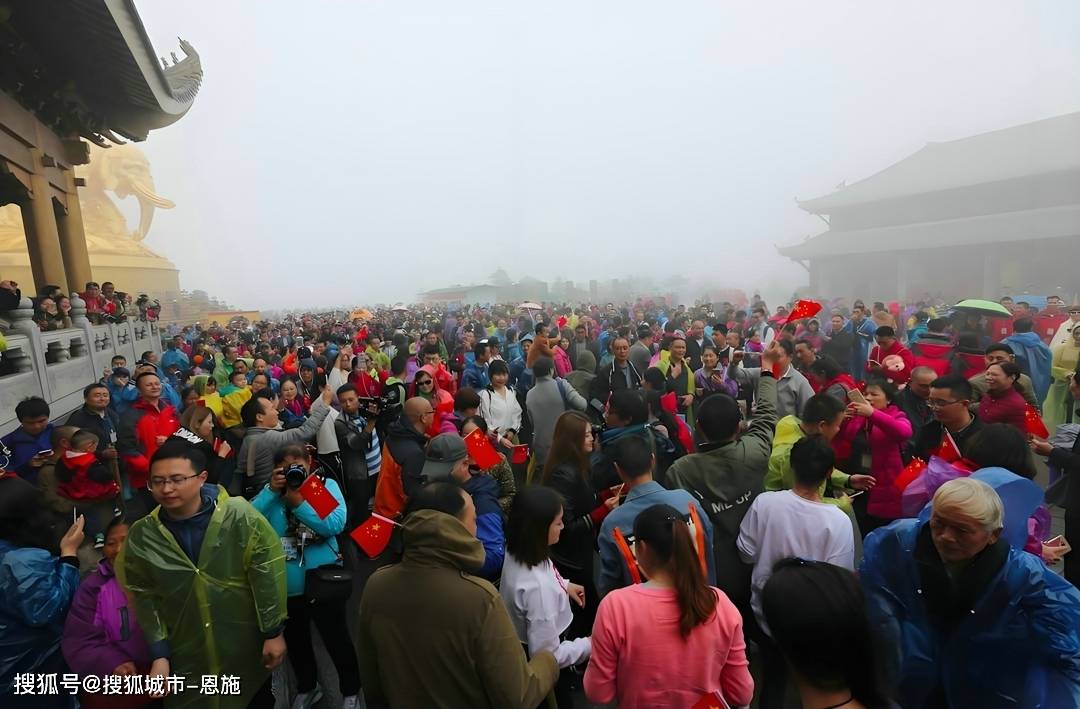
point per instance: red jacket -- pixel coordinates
(936, 356)
(84, 477)
(1009, 408)
(897, 377)
(137, 436)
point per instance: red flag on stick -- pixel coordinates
(1033, 423)
(315, 494)
(802, 310)
(519, 454)
(373, 534)
(910, 472)
(948, 450)
(481, 450)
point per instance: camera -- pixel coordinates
(295, 475)
(388, 403)
(597, 429)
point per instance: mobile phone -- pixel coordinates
(47, 451)
(1057, 541)
(856, 396)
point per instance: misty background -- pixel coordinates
(360, 152)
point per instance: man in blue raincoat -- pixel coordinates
(1032, 355)
(971, 621)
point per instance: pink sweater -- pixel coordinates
(639, 658)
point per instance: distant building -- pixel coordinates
(484, 294)
(993, 214)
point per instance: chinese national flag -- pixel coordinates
(911, 471)
(1033, 423)
(711, 700)
(520, 454)
(948, 450)
(561, 322)
(481, 450)
(315, 494)
(373, 534)
(802, 310)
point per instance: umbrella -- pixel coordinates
(529, 306)
(983, 307)
(400, 308)
(360, 314)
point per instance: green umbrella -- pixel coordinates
(983, 307)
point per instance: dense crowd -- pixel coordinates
(647, 504)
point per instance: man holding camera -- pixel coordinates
(361, 451)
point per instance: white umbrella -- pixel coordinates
(400, 308)
(529, 306)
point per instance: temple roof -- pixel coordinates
(89, 66)
(1047, 146)
(1025, 225)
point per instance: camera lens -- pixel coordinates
(295, 475)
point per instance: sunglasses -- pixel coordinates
(423, 383)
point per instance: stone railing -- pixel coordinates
(56, 365)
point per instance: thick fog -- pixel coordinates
(359, 152)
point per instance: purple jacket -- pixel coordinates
(101, 632)
(887, 430)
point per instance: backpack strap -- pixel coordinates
(627, 555)
(562, 393)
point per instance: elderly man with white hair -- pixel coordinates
(969, 620)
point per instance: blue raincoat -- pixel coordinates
(1019, 647)
(1034, 358)
(36, 589)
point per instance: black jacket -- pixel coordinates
(406, 446)
(608, 380)
(693, 352)
(1069, 464)
(354, 444)
(574, 552)
(104, 427)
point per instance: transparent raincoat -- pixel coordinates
(213, 615)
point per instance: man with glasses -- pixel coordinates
(205, 571)
(1063, 336)
(949, 402)
(402, 471)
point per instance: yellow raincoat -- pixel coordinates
(213, 616)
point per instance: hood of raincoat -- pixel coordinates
(586, 361)
(438, 539)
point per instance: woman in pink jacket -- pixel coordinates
(673, 641)
(886, 427)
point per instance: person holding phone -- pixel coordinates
(885, 427)
(38, 580)
(29, 443)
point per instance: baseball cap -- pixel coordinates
(442, 454)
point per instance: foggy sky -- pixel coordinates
(359, 152)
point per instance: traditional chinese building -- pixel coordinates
(72, 72)
(989, 215)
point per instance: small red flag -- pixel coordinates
(519, 454)
(910, 472)
(710, 700)
(1033, 423)
(948, 449)
(373, 534)
(561, 322)
(802, 310)
(315, 494)
(480, 450)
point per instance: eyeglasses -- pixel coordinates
(939, 404)
(175, 481)
(423, 383)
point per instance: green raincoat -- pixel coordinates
(214, 616)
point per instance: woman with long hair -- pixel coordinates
(293, 414)
(535, 593)
(816, 613)
(500, 407)
(220, 462)
(567, 471)
(38, 582)
(1003, 402)
(673, 640)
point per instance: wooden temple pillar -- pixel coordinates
(42, 235)
(73, 237)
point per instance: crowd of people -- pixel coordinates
(648, 505)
